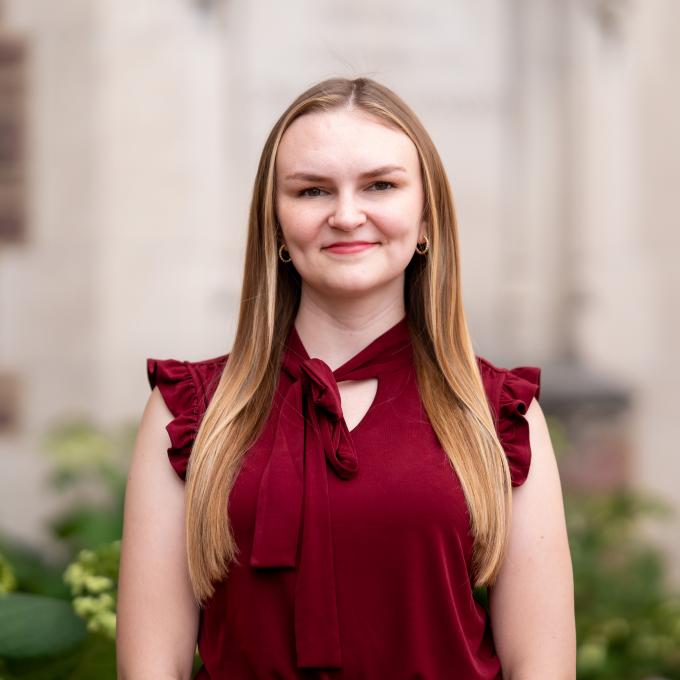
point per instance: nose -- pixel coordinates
(347, 214)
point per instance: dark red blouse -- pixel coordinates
(354, 545)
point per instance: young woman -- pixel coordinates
(342, 480)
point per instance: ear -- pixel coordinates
(423, 230)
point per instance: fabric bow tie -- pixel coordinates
(311, 434)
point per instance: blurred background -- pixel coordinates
(129, 139)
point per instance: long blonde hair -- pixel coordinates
(449, 380)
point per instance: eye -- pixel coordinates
(304, 192)
(390, 184)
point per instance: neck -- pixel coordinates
(336, 332)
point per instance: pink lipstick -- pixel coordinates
(350, 247)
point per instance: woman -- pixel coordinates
(342, 480)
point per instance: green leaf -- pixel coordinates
(92, 659)
(34, 625)
(98, 660)
(33, 572)
(87, 527)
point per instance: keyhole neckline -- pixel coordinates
(387, 352)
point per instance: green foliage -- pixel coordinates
(93, 579)
(88, 461)
(8, 581)
(31, 571)
(93, 658)
(35, 625)
(628, 625)
(53, 638)
(627, 619)
(79, 595)
(60, 622)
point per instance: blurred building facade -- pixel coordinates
(142, 127)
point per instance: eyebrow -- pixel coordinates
(383, 170)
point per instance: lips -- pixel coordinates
(350, 247)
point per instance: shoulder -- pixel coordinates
(510, 392)
(184, 381)
(186, 388)
(522, 383)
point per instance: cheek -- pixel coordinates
(402, 211)
(297, 220)
(398, 221)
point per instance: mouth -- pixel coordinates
(352, 247)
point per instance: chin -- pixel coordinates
(354, 289)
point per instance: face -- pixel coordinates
(345, 177)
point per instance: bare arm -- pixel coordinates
(157, 617)
(532, 602)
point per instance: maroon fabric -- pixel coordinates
(354, 546)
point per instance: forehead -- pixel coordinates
(324, 141)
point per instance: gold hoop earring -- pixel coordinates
(427, 246)
(281, 254)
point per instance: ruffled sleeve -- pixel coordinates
(510, 392)
(177, 384)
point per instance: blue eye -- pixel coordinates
(304, 192)
(388, 183)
